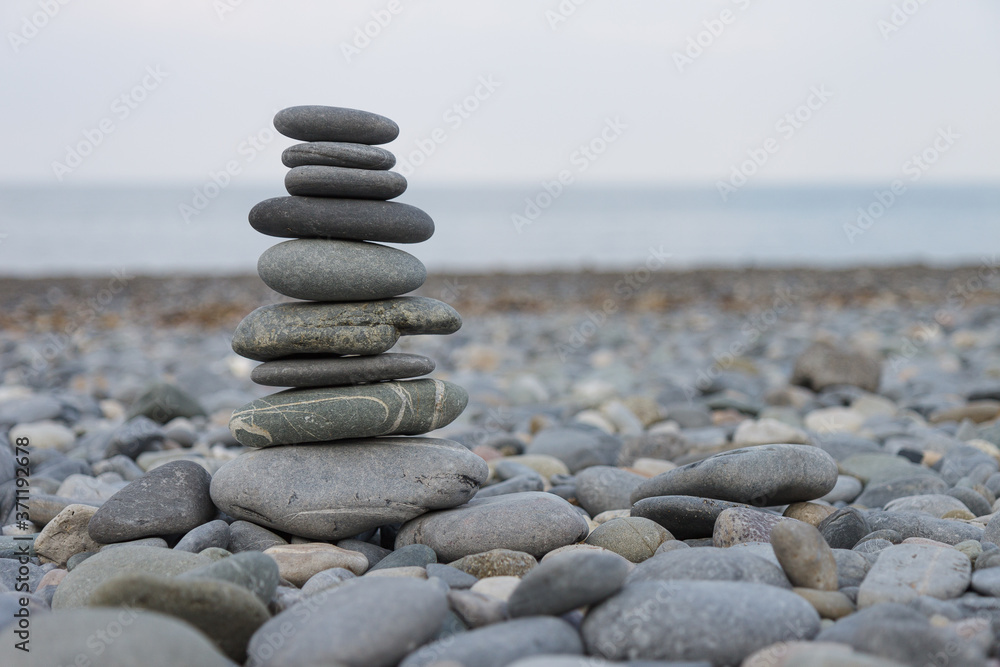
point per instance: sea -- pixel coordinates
(66, 231)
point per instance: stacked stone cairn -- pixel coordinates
(325, 459)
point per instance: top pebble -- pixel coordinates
(320, 123)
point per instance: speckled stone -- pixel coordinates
(905, 571)
(66, 535)
(533, 522)
(760, 476)
(285, 329)
(669, 620)
(338, 154)
(830, 604)
(295, 416)
(340, 371)
(495, 563)
(739, 525)
(804, 555)
(631, 537)
(167, 500)
(298, 562)
(709, 564)
(228, 614)
(685, 517)
(382, 481)
(315, 122)
(844, 528)
(336, 218)
(319, 181)
(337, 270)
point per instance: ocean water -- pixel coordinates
(96, 230)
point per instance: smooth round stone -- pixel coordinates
(851, 568)
(455, 578)
(373, 552)
(340, 371)
(878, 467)
(824, 364)
(845, 490)
(804, 555)
(631, 537)
(935, 504)
(760, 476)
(324, 123)
(518, 484)
(336, 270)
(708, 564)
(285, 329)
(739, 525)
(208, 535)
(86, 577)
(228, 614)
(880, 494)
(337, 218)
(296, 416)
(414, 555)
(66, 535)
(844, 528)
(364, 621)
(495, 563)
(681, 620)
(915, 524)
(830, 604)
(319, 181)
(811, 513)
(412, 571)
(813, 654)
(339, 490)
(324, 580)
(906, 571)
(976, 503)
(500, 644)
(298, 562)
(163, 402)
(254, 571)
(603, 488)
(987, 582)
(685, 517)
(500, 588)
(338, 154)
(167, 500)
(567, 582)
(532, 522)
(477, 609)
(247, 536)
(111, 638)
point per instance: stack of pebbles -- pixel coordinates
(318, 466)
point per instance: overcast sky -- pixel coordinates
(888, 84)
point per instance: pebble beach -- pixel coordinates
(717, 467)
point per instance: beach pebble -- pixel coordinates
(768, 432)
(336, 371)
(228, 614)
(339, 270)
(685, 517)
(754, 616)
(905, 571)
(413, 555)
(211, 534)
(633, 538)
(338, 154)
(336, 218)
(364, 621)
(809, 512)
(298, 562)
(500, 588)
(163, 402)
(578, 447)
(254, 571)
(475, 609)
(44, 435)
(324, 181)
(392, 480)
(709, 564)
(173, 498)
(830, 604)
(844, 528)
(77, 636)
(602, 488)
(407, 407)
(324, 580)
(247, 536)
(455, 578)
(493, 563)
(66, 535)
(532, 522)
(139, 434)
(568, 581)
(763, 475)
(804, 555)
(86, 577)
(845, 490)
(824, 364)
(500, 644)
(740, 525)
(339, 124)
